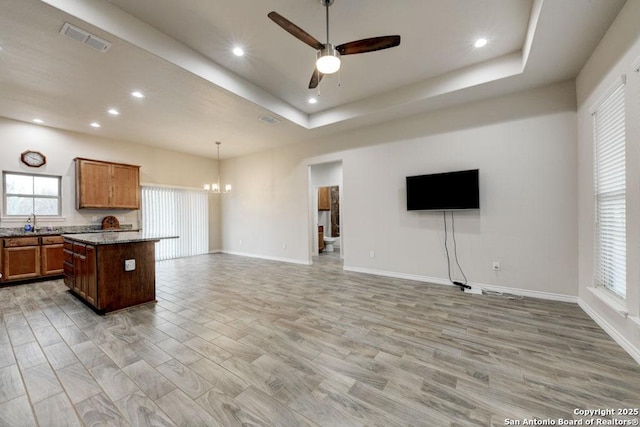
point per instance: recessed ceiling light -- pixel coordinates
(238, 51)
(38, 121)
(137, 94)
(113, 112)
(313, 101)
(481, 42)
(95, 124)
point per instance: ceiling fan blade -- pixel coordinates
(315, 79)
(295, 31)
(368, 45)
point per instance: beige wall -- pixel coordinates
(158, 166)
(525, 148)
(615, 56)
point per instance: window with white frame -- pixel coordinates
(176, 212)
(26, 194)
(610, 191)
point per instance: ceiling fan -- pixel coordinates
(328, 56)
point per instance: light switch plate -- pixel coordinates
(129, 264)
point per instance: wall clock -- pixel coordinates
(33, 159)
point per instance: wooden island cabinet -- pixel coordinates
(80, 270)
(106, 185)
(112, 270)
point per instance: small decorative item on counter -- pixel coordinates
(27, 226)
(49, 227)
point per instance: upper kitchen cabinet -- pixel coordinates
(105, 185)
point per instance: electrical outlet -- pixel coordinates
(284, 246)
(496, 265)
(129, 264)
(372, 254)
(94, 218)
(240, 241)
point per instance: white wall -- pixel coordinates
(326, 174)
(615, 56)
(61, 147)
(525, 148)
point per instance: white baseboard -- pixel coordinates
(532, 294)
(397, 275)
(617, 337)
(270, 258)
(476, 288)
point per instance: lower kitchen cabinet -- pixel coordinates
(52, 256)
(21, 258)
(31, 257)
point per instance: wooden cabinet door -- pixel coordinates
(324, 199)
(21, 262)
(104, 185)
(52, 259)
(93, 184)
(80, 278)
(91, 277)
(125, 187)
(79, 269)
(67, 256)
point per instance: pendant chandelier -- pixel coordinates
(215, 187)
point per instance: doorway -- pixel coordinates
(326, 196)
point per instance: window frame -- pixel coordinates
(5, 212)
(611, 202)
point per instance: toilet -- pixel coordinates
(328, 243)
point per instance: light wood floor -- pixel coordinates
(237, 341)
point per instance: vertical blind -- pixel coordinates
(610, 192)
(176, 212)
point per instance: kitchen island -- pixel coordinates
(111, 270)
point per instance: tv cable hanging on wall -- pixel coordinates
(462, 285)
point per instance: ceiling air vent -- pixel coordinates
(85, 37)
(269, 120)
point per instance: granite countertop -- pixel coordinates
(74, 229)
(113, 238)
(22, 233)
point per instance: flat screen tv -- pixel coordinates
(443, 191)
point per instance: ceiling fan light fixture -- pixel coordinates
(328, 60)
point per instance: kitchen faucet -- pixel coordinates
(34, 221)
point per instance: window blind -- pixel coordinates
(610, 192)
(176, 212)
